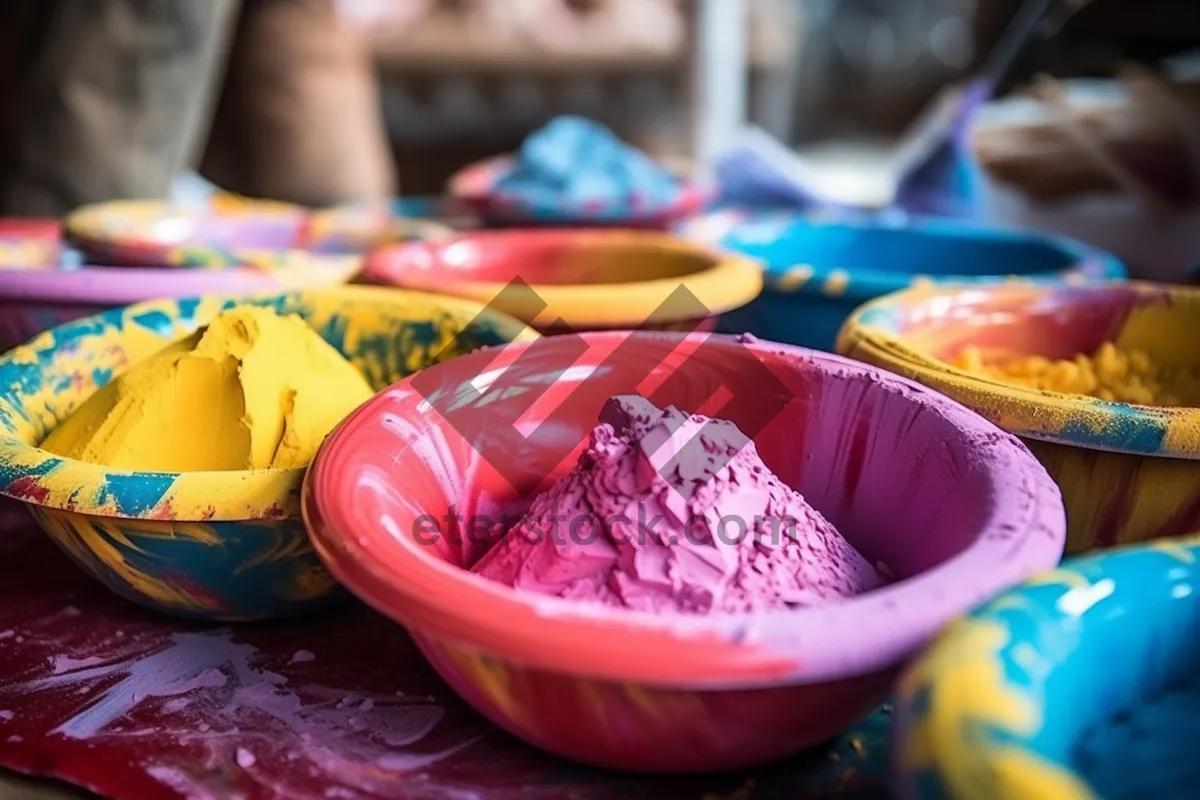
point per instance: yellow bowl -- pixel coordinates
(1127, 473)
(226, 545)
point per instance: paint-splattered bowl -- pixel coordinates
(475, 188)
(957, 509)
(44, 283)
(817, 272)
(230, 231)
(1127, 473)
(210, 545)
(577, 279)
(1078, 685)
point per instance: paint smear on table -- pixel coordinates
(339, 707)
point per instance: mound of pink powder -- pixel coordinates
(667, 512)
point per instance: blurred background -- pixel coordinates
(326, 100)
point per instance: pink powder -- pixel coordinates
(667, 512)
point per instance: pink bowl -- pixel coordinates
(958, 509)
(474, 187)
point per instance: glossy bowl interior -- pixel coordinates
(213, 545)
(577, 279)
(954, 507)
(230, 231)
(817, 272)
(1128, 473)
(1079, 685)
(476, 188)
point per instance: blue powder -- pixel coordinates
(573, 162)
(1147, 752)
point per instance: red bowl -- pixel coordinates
(958, 510)
(576, 279)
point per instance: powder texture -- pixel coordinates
(667, 512)
(575, 160)
(252, 390)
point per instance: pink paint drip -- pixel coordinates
(670, 512)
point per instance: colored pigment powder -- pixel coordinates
(251, 390)
(1111, 373)
(573, 160)
(1145, 752)
(667, 512)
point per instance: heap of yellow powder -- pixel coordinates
(1111, 373)
(251, 390)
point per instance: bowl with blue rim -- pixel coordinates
(1080, 684)
(225, 545)
(819, 268)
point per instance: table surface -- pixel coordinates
(137, 706)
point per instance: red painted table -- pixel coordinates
(135, 706)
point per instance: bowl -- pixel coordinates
(207, 545)
(43, 283)
(1127, 473)
(1079, 685)
(230, 231)
(575, 279)
(817, 272)
(474, 188)
(956, 508)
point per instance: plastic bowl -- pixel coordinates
(956, 508)
(474, 188)
(817, 272)
(578, 279)
(1079, 685)
(37, 294)
(230, 231)
(1127, 473)
(210, 545)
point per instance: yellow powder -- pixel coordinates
(1111, 373)
(252, 390)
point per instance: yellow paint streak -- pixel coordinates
(836, 283)
(793, 279)
(963, 678)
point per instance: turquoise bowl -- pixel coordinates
(226, 545)
(1082, 684)
(817, 271)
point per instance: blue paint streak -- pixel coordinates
(138, 492)
(156, 321)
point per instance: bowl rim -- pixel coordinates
(1086, 262)
(724, 282)
(1045, 607)
(39, 477)
(91, 227)
(1067, 419)
(473, 186)
(436, 600)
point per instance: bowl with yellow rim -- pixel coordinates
(1080, 684)
(560, 279)
(1128, 465)
(817, 270)
(218, 545)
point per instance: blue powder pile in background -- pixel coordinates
(574, 162)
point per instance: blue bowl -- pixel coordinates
(1079, 685)
(817, 272)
